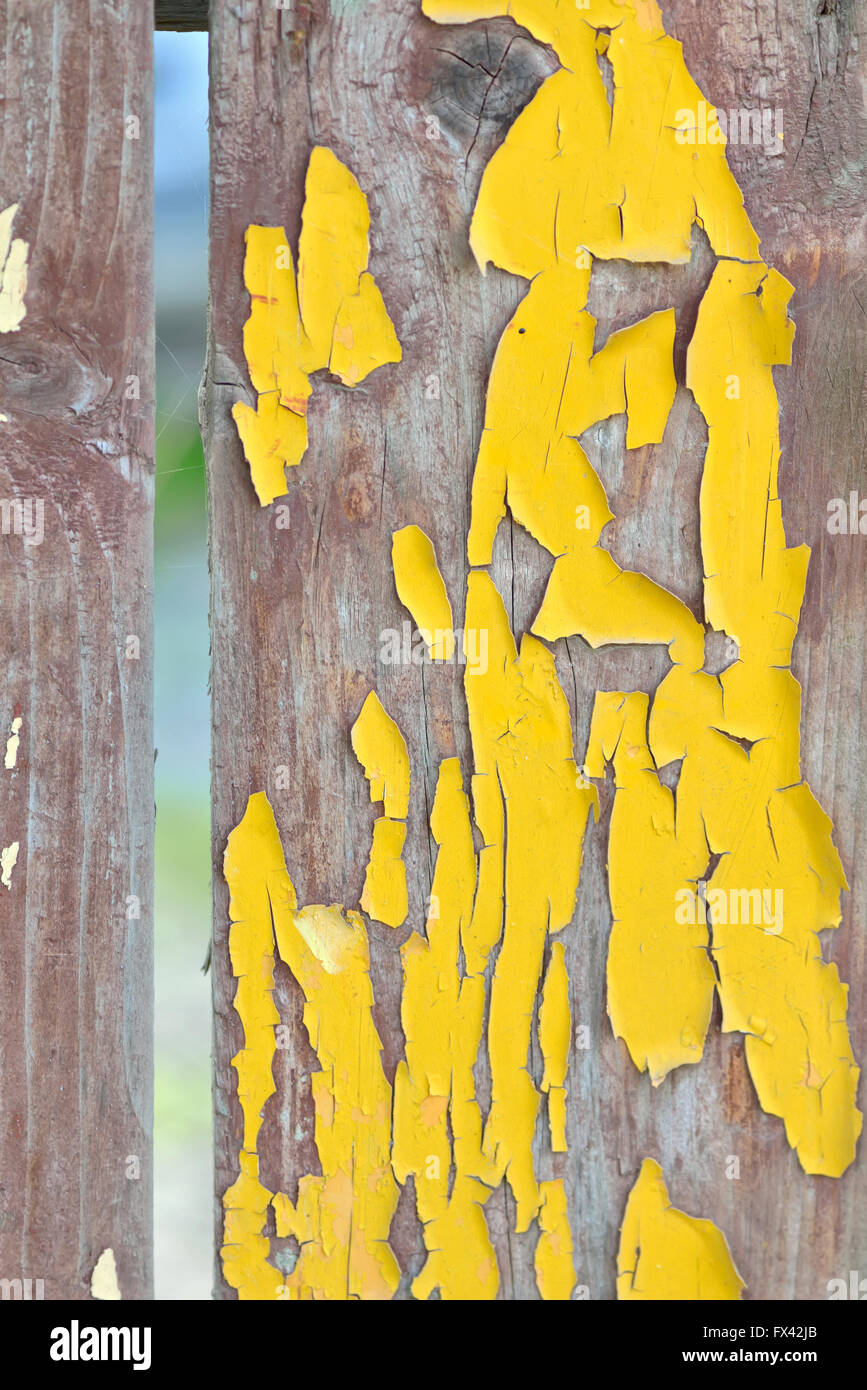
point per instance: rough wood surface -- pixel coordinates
(297, 613)
(181, 15)
(76, 978)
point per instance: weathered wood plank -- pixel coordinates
(76, 440)
(297, 613)
(181, 15)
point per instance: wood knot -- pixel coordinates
(43, 373)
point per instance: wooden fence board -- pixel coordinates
(76, 441)
(297, 613)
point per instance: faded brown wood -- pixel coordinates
(76, 383)
(297, 613)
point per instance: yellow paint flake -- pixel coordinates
(364, 336)
(666, 1255)
(12, 742)
(547, 387)
(421, 588)
(256, 875)
(384, 895)
(437, 1120)
(103, 1281)
(380, 747)
(342, 1217)
(334, 317)
(333, 247)
(273, 438)
(577, 174)
(486, 923)
(13, 273)
(522, 742)
(555, 1039)
(555, 1036)
(660, 979)
(276, 347)
(555, 1270)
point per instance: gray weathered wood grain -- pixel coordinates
(297, 613)
(76, 392)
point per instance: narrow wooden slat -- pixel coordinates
(297, 612)
(76, 441)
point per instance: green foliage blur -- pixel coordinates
(182, 1118)
(183, 1181)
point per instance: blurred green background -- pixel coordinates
(183, 1161)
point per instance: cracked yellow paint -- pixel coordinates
(384, 895)
(578, 178)
(660, 979)
(12, 743)
(666, 1255)
(13, 273)
(380, 747)
(555, 1036)
(421, 588)
(522, 744)
(256, 875)
(751, 806)
(103, 1282)
(437, 1120)
(334, 317)
(576, 174)
(342, 1216)
(364, 336)
(555, 1270)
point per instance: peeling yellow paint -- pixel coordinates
(8, 860)
(103, 1281)
(555, 1270)
(555, 1036)
(665, 1254)
(12, 742)
(522, 746)
(421, 588)
(774, 986)
(13, 273)
(384, 895)
(334, 317)
(364, 336)
(660, 979)
(575, 173)
(578, 178)
(437, 1120)
(256, 875)
(343, 1215)
(380, 747)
